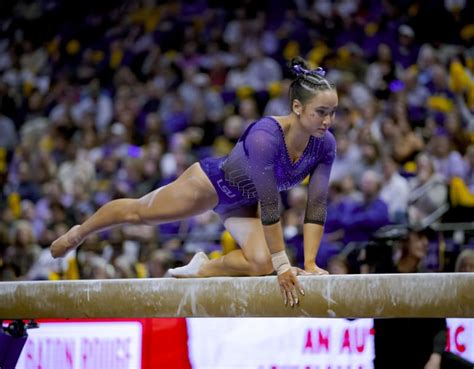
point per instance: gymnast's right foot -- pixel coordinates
(67, 242)
(192, 269)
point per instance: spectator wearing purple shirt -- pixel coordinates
(405, 50)
(362, 218)
(274, 154)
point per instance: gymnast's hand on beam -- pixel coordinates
(289, 286)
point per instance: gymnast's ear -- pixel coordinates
(296, 107)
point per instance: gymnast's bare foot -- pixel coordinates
(67, 242)
(192, 269)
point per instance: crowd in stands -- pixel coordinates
(107, 99)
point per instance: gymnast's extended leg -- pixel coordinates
(191, 194)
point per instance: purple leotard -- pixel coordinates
(259, 167)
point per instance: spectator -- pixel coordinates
(347, 157)
(428, 192)
(233, 128)
(424, 346)
(448, 163)
(248, 110)
(262, 71)
(23, 252)
(238, 77)
(381, 73)
(395, 191)
(277, 105)
(461, 192)
(98, 103)
(369, 160)
(415, 97)
(362, 218)
(8, 134)
(465, 261)
(403, 142)
(405, 51)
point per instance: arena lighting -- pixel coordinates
(334, 296)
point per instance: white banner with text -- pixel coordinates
(298, 343)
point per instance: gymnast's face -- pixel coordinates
(317, 114)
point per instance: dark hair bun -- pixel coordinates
(299, 67)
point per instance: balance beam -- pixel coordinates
(333, 296)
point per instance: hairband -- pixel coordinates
(303, 71)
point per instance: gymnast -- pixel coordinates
(272, 155)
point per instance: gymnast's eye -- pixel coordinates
(325, 112)
(322, 112)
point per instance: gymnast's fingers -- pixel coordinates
(286, 281)
(294, 295)
(289, 295)
(286, 293)
(299, 287)
(283, 295)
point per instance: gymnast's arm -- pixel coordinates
(316, 206)
(262, 149)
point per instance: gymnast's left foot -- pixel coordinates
(66, 242)
(192, 269)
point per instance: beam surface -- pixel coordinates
(334, 296)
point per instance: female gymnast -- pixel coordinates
(273, 154)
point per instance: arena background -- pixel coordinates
(107, 99)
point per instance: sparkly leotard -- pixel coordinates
(259, 167)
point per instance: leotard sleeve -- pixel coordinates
(261, 146)
(319, 183)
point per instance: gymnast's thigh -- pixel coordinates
(246, 228)
(191, 194)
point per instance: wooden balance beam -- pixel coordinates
(333, 296)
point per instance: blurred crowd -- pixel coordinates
(107, 99)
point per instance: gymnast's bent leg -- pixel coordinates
(253, 259)
(191, 194)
